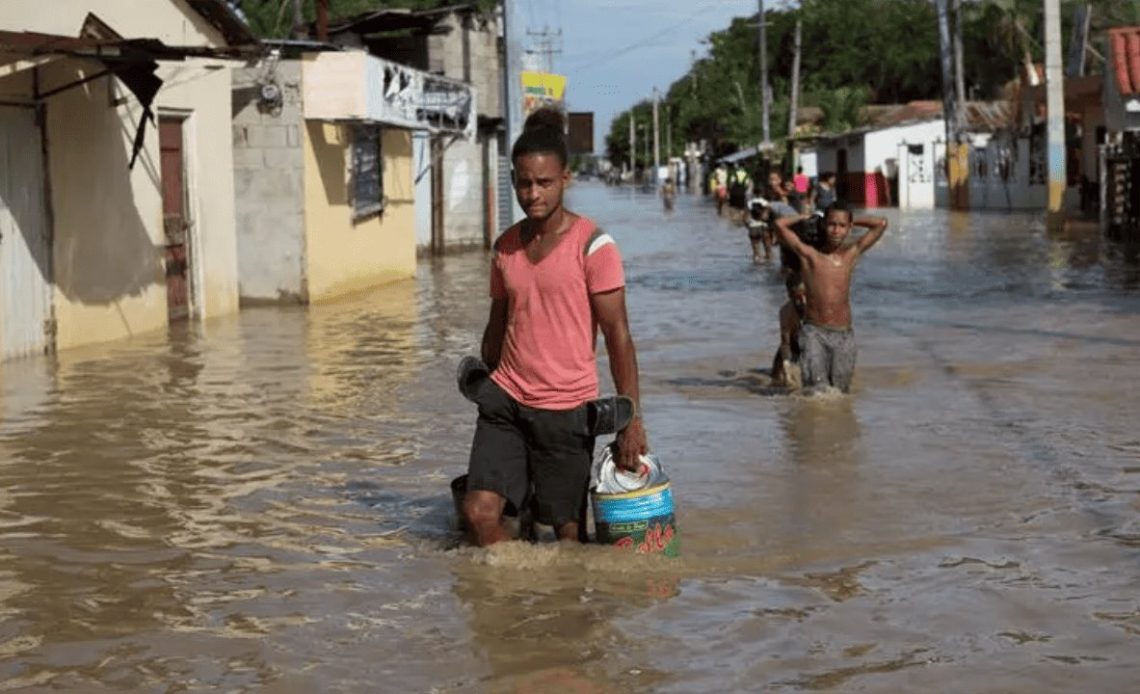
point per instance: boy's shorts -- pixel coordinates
(516, 446)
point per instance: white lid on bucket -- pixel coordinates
(607, 478)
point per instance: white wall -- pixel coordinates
(884, 144)
(463, 194)
(809, 160)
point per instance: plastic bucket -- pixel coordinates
(640, 521)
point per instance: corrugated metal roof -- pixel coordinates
(397, 19)
(222, 18)
(1124, 56)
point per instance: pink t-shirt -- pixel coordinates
(801, 182)
(548, 359)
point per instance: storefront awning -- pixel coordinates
(356, 86)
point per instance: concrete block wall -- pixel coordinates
(269, 186)
(445, 56)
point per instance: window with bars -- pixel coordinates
(367, 172)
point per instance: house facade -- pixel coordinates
(458, 181)
(323, 156)
(116, 208)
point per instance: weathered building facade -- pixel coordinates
(325, 185)
(457, 181)
(116, 201)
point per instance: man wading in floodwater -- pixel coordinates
(555, 279)
(827, 343)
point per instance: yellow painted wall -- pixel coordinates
(341, 256)
(107, 220)
(108, 256)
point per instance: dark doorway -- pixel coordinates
(176, 221)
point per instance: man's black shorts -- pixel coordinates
(516, 445)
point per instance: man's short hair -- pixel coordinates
(838, 206)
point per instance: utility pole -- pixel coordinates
(545, 40)
(795, 83)
(1055, 105)
(507, 70)
(656, 137)
(956, 163)
(763, 39)
(632, 144)
(959, 70)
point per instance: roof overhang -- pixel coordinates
(355, 86)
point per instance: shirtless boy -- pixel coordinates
(827, 343)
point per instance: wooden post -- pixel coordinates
(322, 20)
(437, 236)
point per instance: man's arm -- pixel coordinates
(494, 332)
(609, 309)
(786, 235)
(875, 227)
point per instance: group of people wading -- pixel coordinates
(556, 278)
(817, 259)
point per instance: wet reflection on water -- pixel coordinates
(261, 503)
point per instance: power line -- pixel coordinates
(644, 42)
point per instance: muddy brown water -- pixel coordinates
(261, 503)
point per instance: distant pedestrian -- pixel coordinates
(825, 191)
(739, 191)
(802, 182)
(793, 197)
(785, 365)
(668, 194)
(720, 185)
(827, 342)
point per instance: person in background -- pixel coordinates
(668, 194)
(825, 191)
(801, 182)
(827, 342)
(720, 186)
(785, 365)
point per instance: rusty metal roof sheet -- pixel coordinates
(28, 43)
(1124, 56)
(222, 18)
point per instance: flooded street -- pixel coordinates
(261, 503)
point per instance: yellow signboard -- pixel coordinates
(542, 89)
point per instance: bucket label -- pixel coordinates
(658, 535)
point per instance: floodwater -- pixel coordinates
(261, 503)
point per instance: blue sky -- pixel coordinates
(615, 51)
